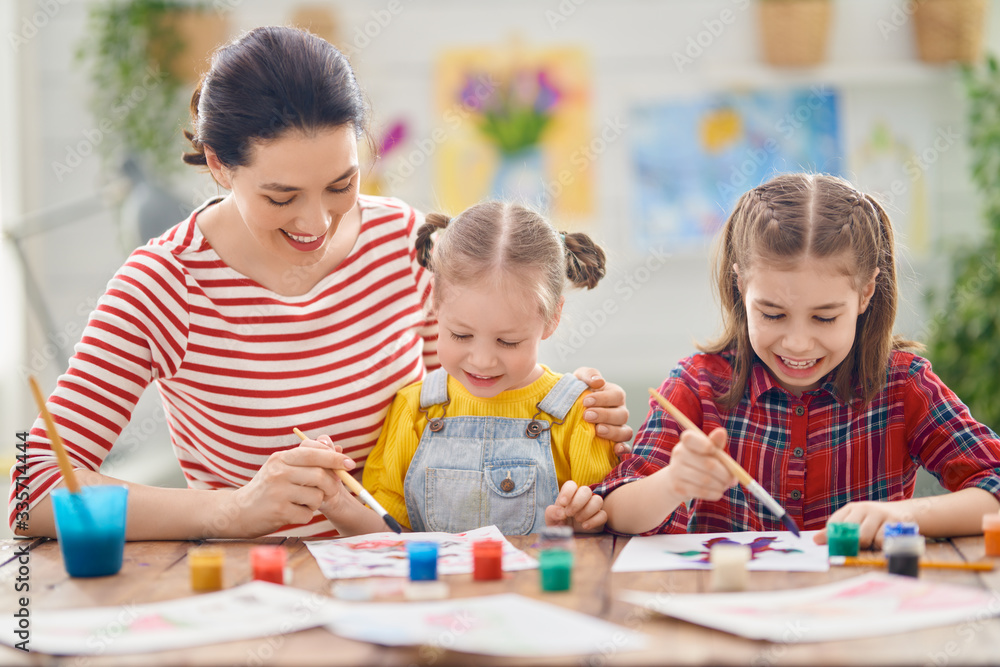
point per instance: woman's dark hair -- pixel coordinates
(268, 81)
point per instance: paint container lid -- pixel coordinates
(730, 554)
(991, 521)
(895, 528)
(904, 545)
(425, 590)
(556, 537)
(363, 591)
(843, 531)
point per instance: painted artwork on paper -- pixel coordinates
(255, 609)
(500, 625)
(866, 606)
(692, 159)
(770, 550)
(384, 554)
(516, 126)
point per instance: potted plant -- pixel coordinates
(794, 33)
(140, 55)
(963, 337)
(949, 30)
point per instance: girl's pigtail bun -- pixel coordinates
(424, 245)
(197, 155)
(585, 260)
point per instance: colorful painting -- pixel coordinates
(516, 125)
(693, 159)
(256, 609)
(384, 554)
(501, 625)
(771, 550)
(866, 606)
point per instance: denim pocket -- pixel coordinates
(454, 500)
(510, 502)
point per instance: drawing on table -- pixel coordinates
(757, 546)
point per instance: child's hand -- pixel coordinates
(605, 408)
(871, 516)
(577, 506)
(695, 470)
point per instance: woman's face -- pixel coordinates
(295, 191)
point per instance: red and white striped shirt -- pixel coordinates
(237, 365)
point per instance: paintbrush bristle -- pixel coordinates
(790, 524)
(392, 523)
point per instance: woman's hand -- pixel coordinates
(288, 489)
(605, 407)
(577, 506)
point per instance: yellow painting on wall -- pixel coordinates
(516, 125)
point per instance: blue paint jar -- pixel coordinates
(423, 560)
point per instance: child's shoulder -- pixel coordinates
(705, 366)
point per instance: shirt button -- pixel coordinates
(796, 494)
(798, 452)
(799, 410)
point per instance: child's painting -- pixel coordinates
(866, 606)
(515, 124)
(501, 625)
(770, 550)
(255, 609)
(693, 159)
(384, 554)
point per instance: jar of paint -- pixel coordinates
(991, 533)
(729, 567)
(902, 554)
(268, 563)
(894, 528)
(206, 568)
(423, 560)
(556, 537)
(487, 560)
(556, 568)
(842, 538)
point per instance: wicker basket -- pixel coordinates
(794, 33)
(949, 30)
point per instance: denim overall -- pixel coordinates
(470, 472)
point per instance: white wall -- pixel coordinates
(631, 43)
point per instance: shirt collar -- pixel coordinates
(762, 382)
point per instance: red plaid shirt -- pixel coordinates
(815, 453)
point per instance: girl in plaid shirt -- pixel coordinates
(807, 388)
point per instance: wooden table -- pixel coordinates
(155, 571)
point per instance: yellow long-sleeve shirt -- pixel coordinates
(576, 450)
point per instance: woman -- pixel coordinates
(292, 301)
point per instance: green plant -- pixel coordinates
(135, 99)
(964, 337)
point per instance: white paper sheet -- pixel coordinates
(384, 554)
(501, 625)
(866, 606)
(255, 609)
(772, 550)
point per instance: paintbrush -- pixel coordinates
(742, 475)
(65, 467)
(361, 492)
(852, 561)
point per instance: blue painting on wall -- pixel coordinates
(693, 159)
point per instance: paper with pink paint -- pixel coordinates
(384, 554)
(255, 609)
(779, 551)
(870, 605)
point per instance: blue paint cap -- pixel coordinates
(897, 528)
(423, 560)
